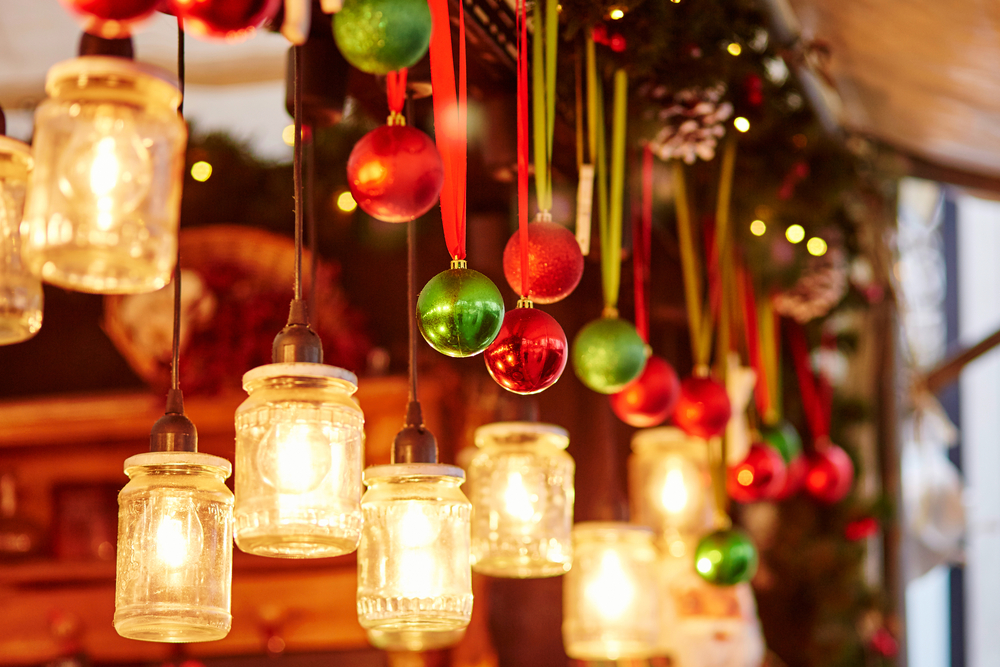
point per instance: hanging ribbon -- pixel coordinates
(545, 45)
(522, 142)
(450, 121)
(762, 391)
(816, 392)
(611, 212)
(395, 88)
(724, 257)
(585, 188)
(641, 242)
(770, 346)
(700, 332)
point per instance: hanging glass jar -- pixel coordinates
(610, 603)
(670, 486)
(20, 292)
(175, 548)
(521, 488)
(299, 455)
(413, 561)
(104, 201)
(414, 640)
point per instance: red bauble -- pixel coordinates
(111, 19)
(230, 20)
(795, 475)
(529, 353)
(554, 258)
(760, 476)
(651, 398)
(830, 474)
(395, 173)
(703, 409)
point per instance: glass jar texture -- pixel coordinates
(413, 640)
(670, 485)
(521, 488)
(610, 602)
(20, 291)
(299, 456)
(175, 548)
(413, 560)
(104, 202)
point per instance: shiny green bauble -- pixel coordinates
(459, 312)
(608, 354)
(379, 36)
(726, 557)
(783, 437)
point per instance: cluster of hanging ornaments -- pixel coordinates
(229, 20)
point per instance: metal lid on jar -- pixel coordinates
(178, 459)
(114, 72)
(667, 436)
(301, 369)
(413, 470)
(515, 433)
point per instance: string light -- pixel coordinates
(288, 135)
(345, 201)
(201, 171)
(816, 246)
(741, 124)
(617, 13)
(758, 227)
(795, 234)
(734, 49)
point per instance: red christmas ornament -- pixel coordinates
(795, 475)
(111, 19)
(651, 398)
(529, 353)
(554, 258)
(830, 474)
(703, 409)
(230, 20)
(861, 528)
(760, 476)
(395, 173)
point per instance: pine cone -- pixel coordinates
(822, 285)
(693, 122)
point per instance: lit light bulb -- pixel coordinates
(345, 202)
(741, 124)
(295, 457)
(675, 495)
(611, 591)
(178, 536)
(758, 227)
(816, 246)
(418, 575)
(415, 529)
(795, 233)
(681, 494)
(518, 501)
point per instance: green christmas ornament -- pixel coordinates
(459, 311)
(379, 36)
(784, 438)
(608, 354)
(726, 557)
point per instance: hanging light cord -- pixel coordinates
(411, 303)
(175, 375)
(297, 171)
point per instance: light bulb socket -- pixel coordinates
(94, 45)
(414, 443)
(174, 432)
(297, 342)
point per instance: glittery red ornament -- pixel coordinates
(795, 475)
(229, 20)
(395, 173)
(529, 353)
(760, 476)
(111, 19)
(554, 258)
(830, 474)
(649, 399)
(703, 409)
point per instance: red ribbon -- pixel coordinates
(450, 117)
(642, 240)
(522, 141)
(762, 392)
(817, 395)
(395, 88)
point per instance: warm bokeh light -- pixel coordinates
(816, 246)
(201, 171)
(734, 49)
(345, 202)
(288, 135)
(741, 124)
(758, 227)
(745, 477)
(617, 13)
(795, 233)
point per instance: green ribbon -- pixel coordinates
(544, 50)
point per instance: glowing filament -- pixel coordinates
(517, 499)
(675, 493)
(610, 592)
(171, 542)
(105, 169)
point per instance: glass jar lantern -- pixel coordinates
(20, 291)
(299, 455)
(521, 488)
(414, 640)
(670, 486)
(413, 561)
(175, 548)
(104, 201)
(610, 600)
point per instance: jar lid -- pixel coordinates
(178, 459)
(298, 369)
(662, 435)
(85, 67)
(16, 148)
(413, 470)
(518, 432)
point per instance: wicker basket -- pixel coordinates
(263, 266)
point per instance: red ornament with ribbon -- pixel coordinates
(228, 20)
(111, 19)
(395, 172)
(529, 353)
(759, 476)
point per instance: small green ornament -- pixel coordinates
(380, 36)
(608, 354)
(784, 438)
(726, 557)
(459, 311)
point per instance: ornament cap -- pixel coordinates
(525, 303)
(459, 264)
(610, 312)
(701, 371)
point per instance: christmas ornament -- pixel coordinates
(554, 260)
(703, 408)
(784, 438)
(693, 122)
(111, 19)
(760, 476)
(379, 36)
(395, 173)
(459, 311)
(608, 354)
(795, 475)
(229, 20)
(529, 353)
(726, 557)
(830, 474)
(649, 399)
(821, 287)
